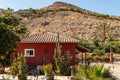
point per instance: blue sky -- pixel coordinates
(111, 7)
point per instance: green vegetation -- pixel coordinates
(102, 15)
(58, 57)
(103, 29)
(27, 13)
(96, 46)
(62, 62)
(114, 45)
(105, 44)
(65, 7)
(92, 73)
(10, 32)
(18, 66)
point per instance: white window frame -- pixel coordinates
(25, 54)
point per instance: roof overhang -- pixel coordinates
(82, 48)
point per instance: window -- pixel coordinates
(29, 53)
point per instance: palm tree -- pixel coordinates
(103, 28)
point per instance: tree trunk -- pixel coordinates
(85, 59)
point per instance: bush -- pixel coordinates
(102, 15)
(66, 62)
(48, 68)
(18, 66)
(91, 73)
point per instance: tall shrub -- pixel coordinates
(58, 56)
(62, 62)
(66, 63)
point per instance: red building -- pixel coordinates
(39, 49)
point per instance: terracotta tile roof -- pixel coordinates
(48, 37)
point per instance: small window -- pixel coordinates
(29, 53)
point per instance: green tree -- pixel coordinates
(114, 45)
(103, 28)
(10, 31)
(8, 41)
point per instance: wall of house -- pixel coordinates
(44, 52)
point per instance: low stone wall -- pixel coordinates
(10, 77)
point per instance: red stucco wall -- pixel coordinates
(45, 51)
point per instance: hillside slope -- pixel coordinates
(69, 20)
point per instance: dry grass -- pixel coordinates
(64, 18)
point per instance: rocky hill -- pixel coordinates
(69, 20)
